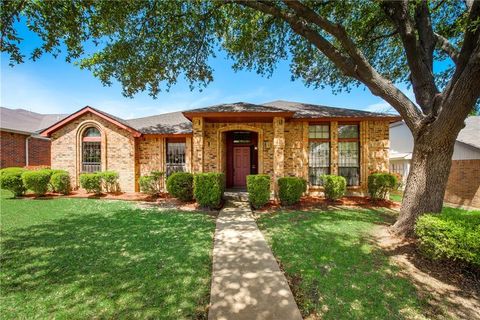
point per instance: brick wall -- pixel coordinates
(463, 187)
(12, 150)
(118, 150)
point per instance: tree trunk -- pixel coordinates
(427, 180)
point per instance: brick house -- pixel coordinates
(20, 142)
(279, 138)
(463, 186)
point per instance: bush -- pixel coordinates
(379, 184)
(60, 182)
(37, 181)
(258, 186)
(91, 182)
(453, 234)
(110, 181)
(334, 186)
(11, 179)
(290, 190)
(152, 184)
(208, 189)
(180, 185)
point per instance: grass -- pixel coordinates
(396, 196)
(83, 259)
(335, 271)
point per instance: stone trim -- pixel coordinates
(198, 127)
(233, 127)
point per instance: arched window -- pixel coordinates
(91, 150)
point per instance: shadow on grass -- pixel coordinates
(334, 270)
(126, 264)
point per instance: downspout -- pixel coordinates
(26, 150)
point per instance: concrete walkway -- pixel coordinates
(246, 281)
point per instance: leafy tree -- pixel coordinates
(148, 45)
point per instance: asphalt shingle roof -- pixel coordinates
(22, 120)
(167, 123)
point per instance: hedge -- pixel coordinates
(453, 234)
(110, 181)
(91, 182)
(334, 186)
(11, 179)
(60, 182)
(258, 187)
(151, 184)
(180, 185)
(208, 189)
(290, 190)
(379, 184)
(37, 181)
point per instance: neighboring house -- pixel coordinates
(20, 143)
(279, 138)
(463, 186)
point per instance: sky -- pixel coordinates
(51, 85)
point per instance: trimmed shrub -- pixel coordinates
(180, 185)
(37, 181)
(52, 172)
(258, 187)
(60, 182)
(208, 189)
(110, 181)
(91, 182)
(11, 179)
(379, 184)
(334, 186)
(152, 184)
(454, 234)
(290, 190)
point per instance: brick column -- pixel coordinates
(198, 140)
(334, 147)
(278, 149)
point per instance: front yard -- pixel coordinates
(333, 267)
(84, 258)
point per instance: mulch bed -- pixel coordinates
(310, 202)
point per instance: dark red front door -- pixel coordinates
(241, 166)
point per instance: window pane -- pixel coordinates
(348, 162)
(175, 160)
(91, 157)
(319, 131)
(242, 137)
(348, 131)
(92, 132)
(318, 161)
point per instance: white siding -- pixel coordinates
(463, 151)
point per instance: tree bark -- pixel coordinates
(427, 180)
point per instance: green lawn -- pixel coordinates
(85, 259)
(335, 270)
(396, 196)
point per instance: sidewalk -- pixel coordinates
(246, 281)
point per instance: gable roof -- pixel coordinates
(26, 122)
(110, 118)
(179, 122)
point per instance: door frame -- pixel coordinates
(255, 152)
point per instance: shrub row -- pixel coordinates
(98, 181)
(290, 189)
(206, 188)
(450, 235)
(19, 180)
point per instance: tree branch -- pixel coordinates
(447, 47)
(354, 65)
(418, 53)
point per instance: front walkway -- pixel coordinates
(246, 281)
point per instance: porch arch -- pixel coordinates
(239, 127)
(81, 128)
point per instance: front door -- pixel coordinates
(241, 166)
